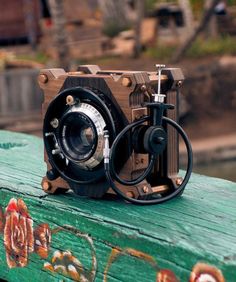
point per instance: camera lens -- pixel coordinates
(79, 136)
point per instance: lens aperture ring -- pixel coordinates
(81, 135)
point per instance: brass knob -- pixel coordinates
(130, 194)
(43, 78)
(126, 81)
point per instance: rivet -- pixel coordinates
(144, 87)
(145, 189)
(54, 123)
(179, 83)
(46, 185)
(43, 78)
(126, 81)
(179, 181)
(70, 100)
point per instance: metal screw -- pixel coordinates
(70, 100)
(46, 185)
(145, 189)
(126, 81)
(179, 83)
(144, 87)
(54, 123)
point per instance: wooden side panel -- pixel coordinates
(51, 82)
(173, 138)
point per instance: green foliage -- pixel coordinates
(38, 57)
(219, 46)
(200, 48)
(197, 7)
(164, 52)
(112, 29)
(150, 4)
(231, 2)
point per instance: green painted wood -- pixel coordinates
(198, 227)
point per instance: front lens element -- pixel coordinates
(81, 135)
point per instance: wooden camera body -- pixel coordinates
(79, 106)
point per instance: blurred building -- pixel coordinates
(19, 21)
(83, 30)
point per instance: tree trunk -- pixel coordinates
(188, 43)
(211, 29)
(188, 16)
(60, 36)
(113, 12)
(140, 7)
(30, 23)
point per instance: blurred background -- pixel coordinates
(197, 35)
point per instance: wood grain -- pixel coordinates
(197, 227)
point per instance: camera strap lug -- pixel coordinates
(56, 150)
(146, 191)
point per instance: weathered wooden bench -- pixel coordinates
(64, 237)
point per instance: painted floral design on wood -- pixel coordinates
(166, 275)
(21, 239)
(2, 220)
(68, 265)
(162, 275)
(18, 233)
(42, 240)
(206, 273)
(201, 272)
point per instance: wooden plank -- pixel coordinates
(12, 21)
(27, 123)
(113, 240)
(19, 92)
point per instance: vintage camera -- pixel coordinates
(113, 132)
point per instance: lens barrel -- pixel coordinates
(81, 135)
(77, 137)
